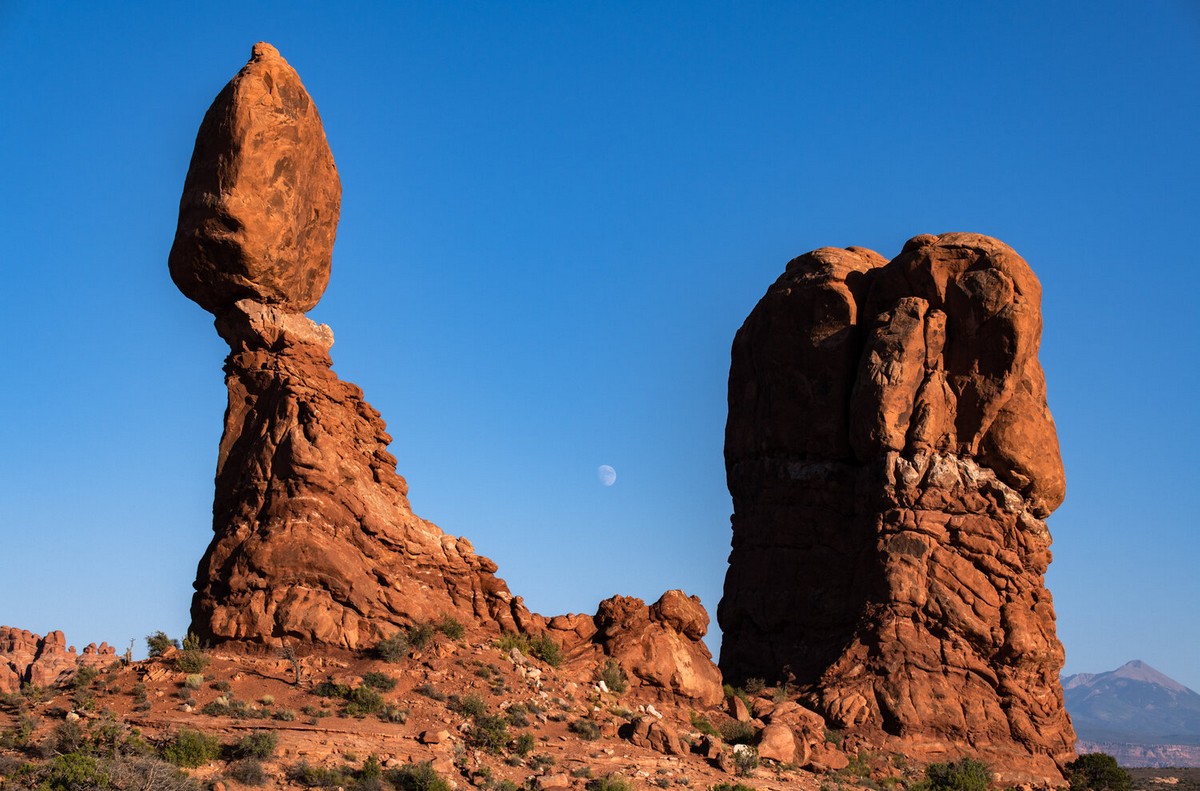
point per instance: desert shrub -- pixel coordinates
(585, 729)
(451, 627)
(143, 772)
(20, 734)
(1097, 772)
(69, 736)
(247, 771)
(284, 715)
(545, 649)
(257, 744)
(311, 776)
(488, 733)
(362, 701)
(608, 783)
(613, 677)
(421, 635)
(517, 715)
(965, 774)
(397, 714)
(736, 692)
(430, 691)
(84, 677)
(470, 706)
(731, 787)
(158, 643)
(734, 732)
(328, 689)
(541, 760)
(74, 771)
(753, 686)
(222, 686)
(194, 681)
(834, 737)
(191, 749)
(417, 777)
(380, 681)
(192, 658)
(394, 648)
(524, 744)
(745, 760)
(704, 726)
(267, 700)
(507, 641)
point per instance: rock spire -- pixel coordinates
(892, 461)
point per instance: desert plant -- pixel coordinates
(191, 749)
(585, 729)
(613, 677)
(754, 686)
(965, 774)
(284, 715)
(704, 726)
(608, 783)
(158, 643)
(518, 715)
(524, 744)
(731, 787)
(191, 659)
(545, 649)
(507, 641)
(430, 691)
(193, 681)
(745, 760)
(469, 706)
(257, 744)
(417, 777)
(318, 776)
(84, 676)
(267, 700)
(69, 736)
(394, 648)
(451, 627)
(247, 771)
(397, 714)
(362, 701)
(1097, 772)
(734, 732)
(488, 733)
(380, 681)
(421, 635)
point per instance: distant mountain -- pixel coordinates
(1135, 713)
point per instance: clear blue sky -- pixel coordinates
(555, 217)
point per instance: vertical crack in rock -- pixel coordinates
(891, 460)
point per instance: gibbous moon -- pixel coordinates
(606, 474)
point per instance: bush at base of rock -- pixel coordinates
(965, 774)
(1098, 772)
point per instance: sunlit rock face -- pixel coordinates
(891, 459)
(315, 540)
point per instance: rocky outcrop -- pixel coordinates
(314, 538)
(28, 658)
(891, 459)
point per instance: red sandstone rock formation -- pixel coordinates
(314, 537)
(27, 658)
(891, 460)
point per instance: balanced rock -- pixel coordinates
(260, 203)
(892, 461)
(314, 537)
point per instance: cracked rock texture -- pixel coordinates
(892, 461)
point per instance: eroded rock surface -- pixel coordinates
(314, 537)
(891, 459)
(28, 658)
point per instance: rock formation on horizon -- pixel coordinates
(30, 659)
(315, 541)
(892, 461)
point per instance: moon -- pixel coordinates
(606, 474)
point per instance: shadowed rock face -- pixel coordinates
(314, 537)
(891, 460)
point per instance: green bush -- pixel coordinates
(380, 681)
(310, 776)
(753, 686)
(397, 714)
(1098, 772)
(451, 627)
(704, 726)
(965, 774)
(75, 771)
(430, 691)
(417, 777)
(613, 677)
(507, 641)
(545, 649)
(84, 677)
(257, 744)
(731, 787)
(734, 732)
(68, 737)
(745, 760)
(489, 733)
(191, 749)
(363, 701)
(421, 635)
(525, 744)
(470, 706)
(608, 783)
(585, 729)
(158, 643)
(192, 658)
(394, 648)
(194, 681)
(247, 771)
